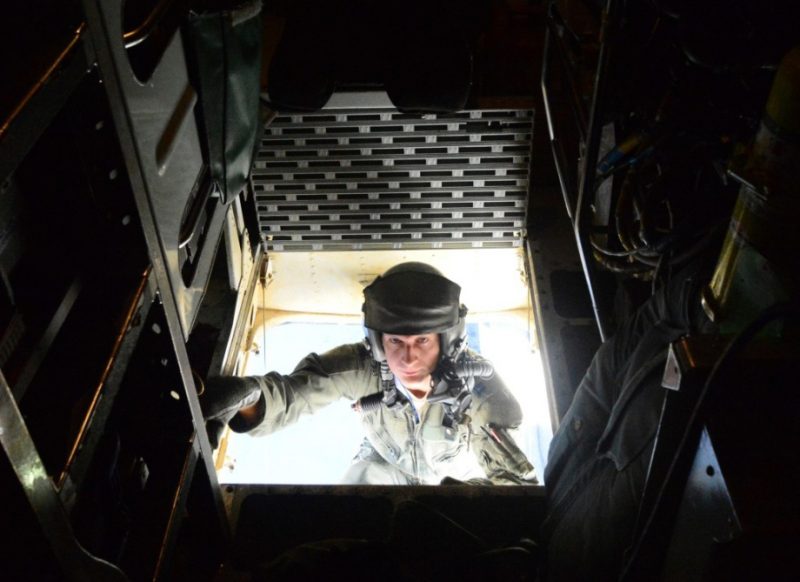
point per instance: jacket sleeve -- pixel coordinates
(318, 380)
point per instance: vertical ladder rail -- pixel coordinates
(38, 487)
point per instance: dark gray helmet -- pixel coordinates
(413, 299)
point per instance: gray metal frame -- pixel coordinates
(159, 142)
(75, 562)
(578, 202)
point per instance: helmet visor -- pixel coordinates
(411, 303)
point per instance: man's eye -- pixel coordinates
(423, 340)
(394, 340)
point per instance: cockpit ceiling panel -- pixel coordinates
(364, 179)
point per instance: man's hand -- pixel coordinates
(233, 401)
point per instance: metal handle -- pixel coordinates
(139, 34)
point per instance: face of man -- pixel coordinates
(412, 359)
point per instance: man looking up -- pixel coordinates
(431, 408)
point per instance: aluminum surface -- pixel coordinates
(366, 179)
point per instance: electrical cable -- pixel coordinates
(621, 268)
(611, 253)
(652, 257)
(657, 273)
(701, 244)
(740, 340)
(642, 256)
(622, 202)
(643, 221)
(642, 233)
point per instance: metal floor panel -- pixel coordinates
(365, 179)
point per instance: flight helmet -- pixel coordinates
(414, 298)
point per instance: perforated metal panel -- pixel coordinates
(380, 179)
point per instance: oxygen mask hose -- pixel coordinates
(482, 369)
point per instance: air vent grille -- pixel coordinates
(380, 179)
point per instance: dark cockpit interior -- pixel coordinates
(164, 162)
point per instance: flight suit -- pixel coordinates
(402, 445)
